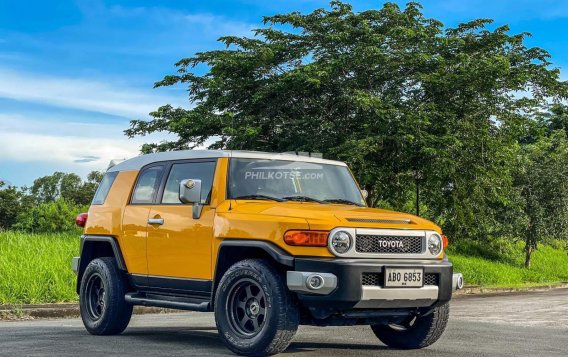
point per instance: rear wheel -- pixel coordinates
(255, 313)
(416, 332)
(101, 298)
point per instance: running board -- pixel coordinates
(138, 299)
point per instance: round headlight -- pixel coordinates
(435, 244)
(341, 242)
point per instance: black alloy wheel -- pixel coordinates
(256, 314)
(247, 307)
(95, 296)
(101, 298)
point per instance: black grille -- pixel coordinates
(389, 244)
(372, 279)
(431, 279)
(376, 279)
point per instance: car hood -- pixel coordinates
(329, 216)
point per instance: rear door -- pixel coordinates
(135, 220)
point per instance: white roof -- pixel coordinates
(138, 162)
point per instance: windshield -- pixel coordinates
(292, 180)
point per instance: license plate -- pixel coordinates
(404, 278)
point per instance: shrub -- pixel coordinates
(50, 217)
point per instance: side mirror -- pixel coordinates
(190, 194)
(190, 191)
(365, 194)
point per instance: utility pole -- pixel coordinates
(417, 177)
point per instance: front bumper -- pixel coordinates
(352, 292)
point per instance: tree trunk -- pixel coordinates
(528, 255)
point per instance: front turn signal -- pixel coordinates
(444, 241)
(306, 238)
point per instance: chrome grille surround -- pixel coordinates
(386, 243)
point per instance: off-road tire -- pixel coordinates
(115, 313)
(425, 331)
(282, 315)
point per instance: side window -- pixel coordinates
(203, 171)
(147, 185)
(104, 188)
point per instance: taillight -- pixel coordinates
(444, 241)
(307, 238)
(81, 219)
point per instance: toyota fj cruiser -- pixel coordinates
(266, 242)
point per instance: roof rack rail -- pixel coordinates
(317, 155)
(114, 162)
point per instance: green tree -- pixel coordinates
(49, 217)
(12, 203)
(542, 177)
(389, 91)
(68, 186)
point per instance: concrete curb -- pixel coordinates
(59, 311)
(480, 290)
(71, 310)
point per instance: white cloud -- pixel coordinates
(85, 94)
(67, 142)
(67, 150)
(54, 125)
(32, 146)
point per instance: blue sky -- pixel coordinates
(73, 73)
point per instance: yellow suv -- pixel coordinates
(266, 242)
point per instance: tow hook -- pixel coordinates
(457, 281)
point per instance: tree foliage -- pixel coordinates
(542, 177)
(12, 203)
(68, 186)
(49, 217)
(389, 91)
(50, 205)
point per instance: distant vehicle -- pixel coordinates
(266, 242)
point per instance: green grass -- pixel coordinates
(36, 269)
(549, 266)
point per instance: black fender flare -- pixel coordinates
(277, 253)
(87, 254)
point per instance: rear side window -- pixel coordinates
(203, 171)
(147, 185)
(104, 188)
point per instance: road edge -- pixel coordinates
(71, 310)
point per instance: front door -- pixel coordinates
(179, 246)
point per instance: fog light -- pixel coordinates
(314, 282)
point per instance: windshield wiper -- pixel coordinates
(302, 199)
(258, 197)
(342, 200)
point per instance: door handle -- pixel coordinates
(159, 221)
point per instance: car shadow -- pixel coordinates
(192, 336)
(208, 338)
(297, 347)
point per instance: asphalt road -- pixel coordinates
(528, 324)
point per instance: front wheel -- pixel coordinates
(101, 298)
(417, 332)
(255, 313)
